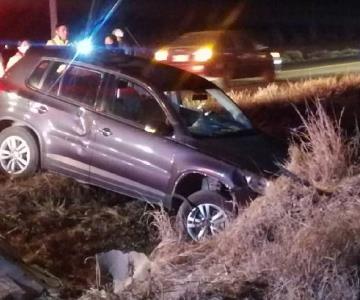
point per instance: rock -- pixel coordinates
(125, 268)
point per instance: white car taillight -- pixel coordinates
(161, 55)
(203, 54)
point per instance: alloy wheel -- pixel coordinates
(205, 220)
(14, 155)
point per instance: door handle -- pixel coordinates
(42, 109)
(105, 131)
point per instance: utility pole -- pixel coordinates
(53, 15)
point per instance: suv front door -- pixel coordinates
(127, 156)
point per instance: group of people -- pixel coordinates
(113, 41)
(60, 39)
(21, 50)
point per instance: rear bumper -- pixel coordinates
(200, 69)
(215, 70)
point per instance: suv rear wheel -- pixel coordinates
(19, 153)
(205, 214)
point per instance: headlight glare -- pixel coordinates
(161, 55)
(203, 54)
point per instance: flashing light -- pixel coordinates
(203, 54)
(84, 46)
(161, 55)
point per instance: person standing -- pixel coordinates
(110, 42)
(122, 45)
(22, 48)
(2, 70)
(61, 36)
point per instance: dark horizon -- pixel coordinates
(157, 21)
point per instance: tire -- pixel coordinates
(19, 153)
(269, 76)
(195, 210)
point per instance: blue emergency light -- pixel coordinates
(84, 46)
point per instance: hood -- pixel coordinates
(249, 150)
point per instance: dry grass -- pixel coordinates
(271, 108)
(296, 242)
(295, 92)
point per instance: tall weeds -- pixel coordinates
(321, 88)
(295, 242)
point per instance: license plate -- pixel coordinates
(180, 58)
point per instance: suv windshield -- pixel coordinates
(208, 112)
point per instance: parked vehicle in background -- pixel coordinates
(220, 55)
(135, 127)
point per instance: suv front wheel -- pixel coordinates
(204, 214)
(19, 154)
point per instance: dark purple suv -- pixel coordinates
(136, 127)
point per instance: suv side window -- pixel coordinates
(37, 75)
(80, 84)
(130, 101)
(51, 83)
(244, 44)
(228, 44)
(72, 82)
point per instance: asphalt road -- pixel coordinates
(319, 70)
(293, 73)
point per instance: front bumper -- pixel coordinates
(248, 185)
(243, 195)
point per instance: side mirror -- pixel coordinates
(159, 127)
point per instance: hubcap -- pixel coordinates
(204, 220)
(14, 155)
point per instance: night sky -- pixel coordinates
(156, 21)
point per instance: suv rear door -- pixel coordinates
(64, 107)
(127, 156)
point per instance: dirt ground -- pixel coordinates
(59, 225)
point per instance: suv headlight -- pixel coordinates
(256, 183)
